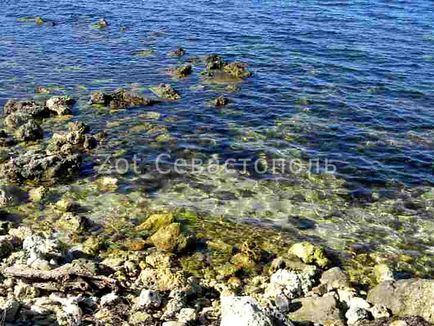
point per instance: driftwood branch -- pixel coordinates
(65, 277)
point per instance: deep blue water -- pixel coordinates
(351, 81)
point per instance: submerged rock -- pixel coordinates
(242, 311)
(170, 238)
(220, 101)
(156, 221)
(29, 131)
(412, 297)
(61, 105)
(40, 167)
(165, 91)
(182, 71)
(309, 253)
(179, 52)
(102, 23)
(119, 99)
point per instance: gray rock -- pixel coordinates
(39, 167)
(379, 311)
(149, 299)
(40, 249)
(32, 108)
(29, 131)
(242, 311)
(187, 315)
(317, 310)
(412, 297)
(165, 91)
(61, 105)
(10, 309)
(356, 314)
(334, 278)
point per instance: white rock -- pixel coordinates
(149, 299)
(357, 302)
(109, 298)
(288, 281)
(187, 315)
(242, 311)
(355, 314)
(378, 312)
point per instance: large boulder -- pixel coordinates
(61, 105)
(412, 297)
(242, 311)
(40, 167)
(323, 310)
(32, 108)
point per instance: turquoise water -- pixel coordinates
(351, 82)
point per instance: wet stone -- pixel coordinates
(31, 108)
(30, 131)
(220, 101)
(61, 105)
(39, 167)
(166, 91)
(179, 52)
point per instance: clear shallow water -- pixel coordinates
(351, 82)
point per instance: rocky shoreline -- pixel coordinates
(174, 278)
(167, 267)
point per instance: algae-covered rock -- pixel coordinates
(92, 245)
(165, 91)
(179, 52)
(220, 101)
(61, 105)
(37, 194)
(182, 71)
(29, 131)
(237, 69)
(214, 61)
(170, 238)
(309, 253)
(17, 119)
(155, 221)
(242, 311)
(411, 297)
(383, 272)
(119, 99)
(102, 23)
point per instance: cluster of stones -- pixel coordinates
(62, 156)
(150, 282)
